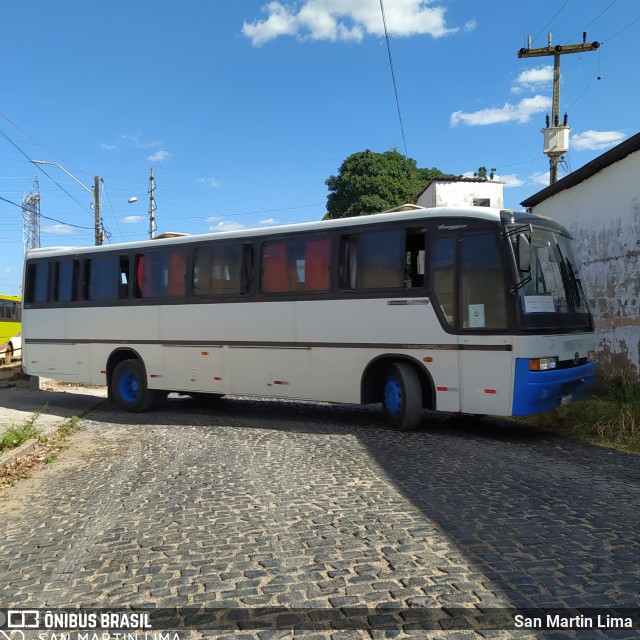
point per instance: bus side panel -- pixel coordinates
(486, 375)
(358, 331)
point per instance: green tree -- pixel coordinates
(481, 173)
(369, 182)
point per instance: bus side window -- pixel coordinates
(218, 269)
(177, 276)
(482, 285)
(373, 260)
(275, 272)
(201, 276)
(226, 268)
(316, 264)
(247, 269)
(66, 280)
(143, 285)
(296, 264)
(103, 278)
(38, 282)
(124, 277)
(415, 258)
(443, 270)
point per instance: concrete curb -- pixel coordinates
(22, 411)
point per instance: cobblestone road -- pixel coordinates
(252, 504)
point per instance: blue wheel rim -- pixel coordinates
(393, 396)
(129, 387)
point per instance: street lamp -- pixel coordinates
(95, 194)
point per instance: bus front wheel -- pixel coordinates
(129, 387)
(402, 397)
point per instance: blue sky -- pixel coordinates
(245, 108)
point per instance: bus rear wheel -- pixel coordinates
(402, 397)
(129, 387)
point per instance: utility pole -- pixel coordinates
(556, 135)
(31, 218)
(96, 211)
(152, 205)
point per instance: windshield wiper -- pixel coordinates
(576, 283)
(572, 284)
(508, 235)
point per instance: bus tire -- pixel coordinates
(129, 387)
(402, 397)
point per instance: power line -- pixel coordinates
(552, 19)
(588, 25)
(113, 213)
(621, 30)
(24, 153)
(393, 77)
(10, 202)
(68, 224)
(39, 144)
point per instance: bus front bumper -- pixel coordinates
(537, 391)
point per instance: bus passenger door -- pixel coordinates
(485, 348)
(445, 368)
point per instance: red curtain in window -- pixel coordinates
(274, 268)
(175, 284)
(316, 265)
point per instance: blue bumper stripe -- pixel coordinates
(536, 391)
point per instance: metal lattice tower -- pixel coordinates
(31, 218)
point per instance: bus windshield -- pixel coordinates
(552, 293)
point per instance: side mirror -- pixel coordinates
(524, 252)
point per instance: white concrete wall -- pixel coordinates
(603, 214)
(458, 194)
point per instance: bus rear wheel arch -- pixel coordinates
(128, 386)
(403, 387)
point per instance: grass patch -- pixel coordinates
(46, 452)
(608, 417)
(15, 436)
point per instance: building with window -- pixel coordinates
(462, 192)
(600, 205)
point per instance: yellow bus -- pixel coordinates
(10, 327)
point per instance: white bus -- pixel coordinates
(471, 310)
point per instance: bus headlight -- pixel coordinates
(591, 356)
(543, 364)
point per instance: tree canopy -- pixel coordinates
(369, 182)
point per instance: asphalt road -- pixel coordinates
(248, 503)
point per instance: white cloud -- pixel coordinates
(133, 219)
(138, 142)
(269, 221)
(510, 180)
(540, 178)
(470, 25)
(108, 147)
(596, 139)
(212, 182)
(346, 20)
(158, 156)
(59, 229)
(534, 79)
(225, 225)
(520, 112)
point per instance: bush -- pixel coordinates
(609, 417)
